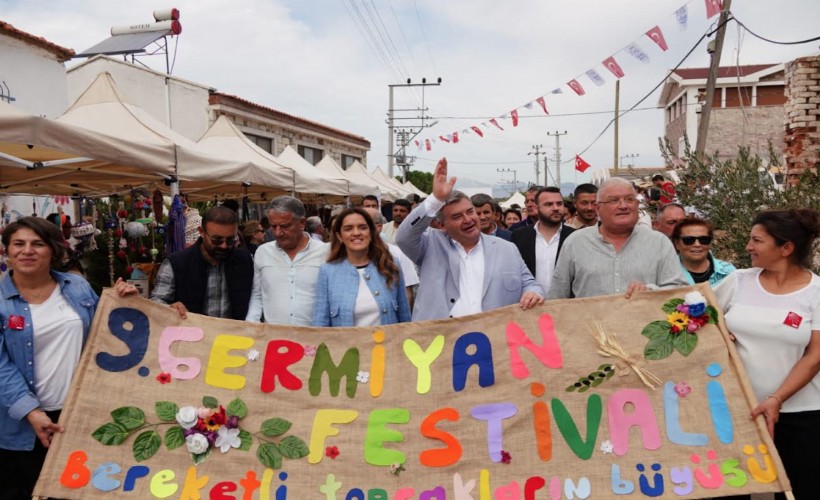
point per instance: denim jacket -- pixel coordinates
(338, 286)
(17, 394)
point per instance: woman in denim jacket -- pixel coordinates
(44, 320)
(360, 285)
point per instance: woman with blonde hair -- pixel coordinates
(360, 285)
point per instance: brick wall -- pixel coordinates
(752, 127)
(803, 113)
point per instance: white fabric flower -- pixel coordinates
(253, 355)
(606, 446)
(197, 443)
(186, 417)
(363, 377)
(694, 298)
(227, 439)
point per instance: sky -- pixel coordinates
(332, 61)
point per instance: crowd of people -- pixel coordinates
(445, 256)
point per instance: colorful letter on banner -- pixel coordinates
(574, 85)
(713, 8)
(494, 122)
(595, 77)
(477, 131)
(514, 115)
(613, 66)
(580, 164)
(543, 104)
(657, 36)
(682, 16)
(637, 53)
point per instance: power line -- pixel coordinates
(364, 31)
(541, 115)
(385, 38)
(809, 40)
(424, 35)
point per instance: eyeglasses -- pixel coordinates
(690, 240)
(218, 241)
(617, 201)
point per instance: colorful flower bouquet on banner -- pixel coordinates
(202, 430)
(679, 331)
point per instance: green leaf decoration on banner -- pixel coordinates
(198, 459)
(237, 407)
(146, 445)
(210, 402)
(275, 427)
(293, 447)
(166, 410)
(685, 342)
(656, 328)
(246, 439)
(129, 417)
(269, 455)
(111, 434)
(671, 305)
(659, 347)
(713, 315)
(174, 438)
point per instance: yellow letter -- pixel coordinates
(422, 360)
(323, 428)
(159, 486)
(221, 359)
(190, 490)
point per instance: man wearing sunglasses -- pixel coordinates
(211, 277)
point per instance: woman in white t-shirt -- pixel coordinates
(773, 311)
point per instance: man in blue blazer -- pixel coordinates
(461, 270)
(485, 209)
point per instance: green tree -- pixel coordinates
(729, 193)
(422, 180)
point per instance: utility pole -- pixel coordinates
(617, 112)
(514, 172)
(628, 156)
(557, 135)
(706, 111)
(537, 153)
(391, 118)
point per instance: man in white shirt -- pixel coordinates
(462, 271)
(540, 244)
(408, 270)
(286, 270)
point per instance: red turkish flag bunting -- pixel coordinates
(442, 138)
(657, 36)
(612, 65)
(427, 144)
(514, 114)
(580, 164)
(713, 8)
(543, 104)
(494, 122)
(574, 85)
(455, 137)
(477, 131)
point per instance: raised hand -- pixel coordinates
(442, 187)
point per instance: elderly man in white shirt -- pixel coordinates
(286, 270)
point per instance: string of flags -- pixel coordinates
(611, 64)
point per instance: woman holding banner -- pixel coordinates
(360, 285)
(45, 316)
(773, 311)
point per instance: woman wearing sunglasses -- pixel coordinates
(692, 238)
(773, 311)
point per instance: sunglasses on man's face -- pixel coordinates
(690, 240)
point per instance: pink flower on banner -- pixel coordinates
(657, 36)
(494, 122)
(310, 350)
(574, 85)
(613, 66)
(477, 131)
(514, 115)
(506, 458)
(713, 8)
(683, 389)
(543, 104)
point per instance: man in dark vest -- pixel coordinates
(211, 277)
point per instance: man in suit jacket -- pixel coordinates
(485, 209)
(541, 243)
(462, 271)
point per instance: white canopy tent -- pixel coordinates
(43, 156)
(516, 198)
(329, 169)
(413, 189)
(357, 171)
(382, 178)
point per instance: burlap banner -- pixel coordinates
(502, 405)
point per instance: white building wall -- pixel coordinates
(34, 77)
(147, 89)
